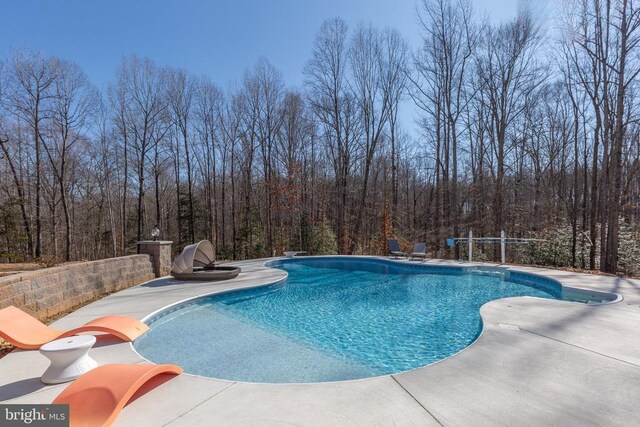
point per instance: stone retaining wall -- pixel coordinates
(51, 291)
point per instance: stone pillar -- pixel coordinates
(160, 251)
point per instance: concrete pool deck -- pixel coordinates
(537, 362)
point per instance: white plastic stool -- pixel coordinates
(69, 358)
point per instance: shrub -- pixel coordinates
(323, 239)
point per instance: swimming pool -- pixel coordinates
(334, 318)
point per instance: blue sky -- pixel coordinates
(219, 38)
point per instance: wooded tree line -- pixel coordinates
(521, 130)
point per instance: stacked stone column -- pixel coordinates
(160, 252)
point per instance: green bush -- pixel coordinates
(629, 250)
(323, 239)
(556, 251)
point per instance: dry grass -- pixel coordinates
(17, 267)
(8, 268)
(5, 348)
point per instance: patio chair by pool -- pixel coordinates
(394, 248)
(198, 262)
(419, 251)
(25, 331)
(97, 397)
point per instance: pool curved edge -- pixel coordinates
(567, 292)
(572, 292)
(606, 297)
(170, 308)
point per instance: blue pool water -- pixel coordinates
(333, 319)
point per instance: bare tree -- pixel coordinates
(73, 102)
(395, 56)
(6, 141)
(267, 81)
(509, 74)
(208, 101)
(180, 99)
(119, 108)
(373, 105)
(603, 53)
(445, 59)
(248, 104)
(230, 118)
(627, 27)
(107, 148)
(31, 89)
(326, 79)
(144, 110)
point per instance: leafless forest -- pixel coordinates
(521, 128)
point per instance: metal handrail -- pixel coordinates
(503, 240)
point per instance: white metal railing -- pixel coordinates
(503, 240)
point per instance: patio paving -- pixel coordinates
(537, 362)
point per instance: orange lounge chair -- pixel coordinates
(24, 331)
(97, 397)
